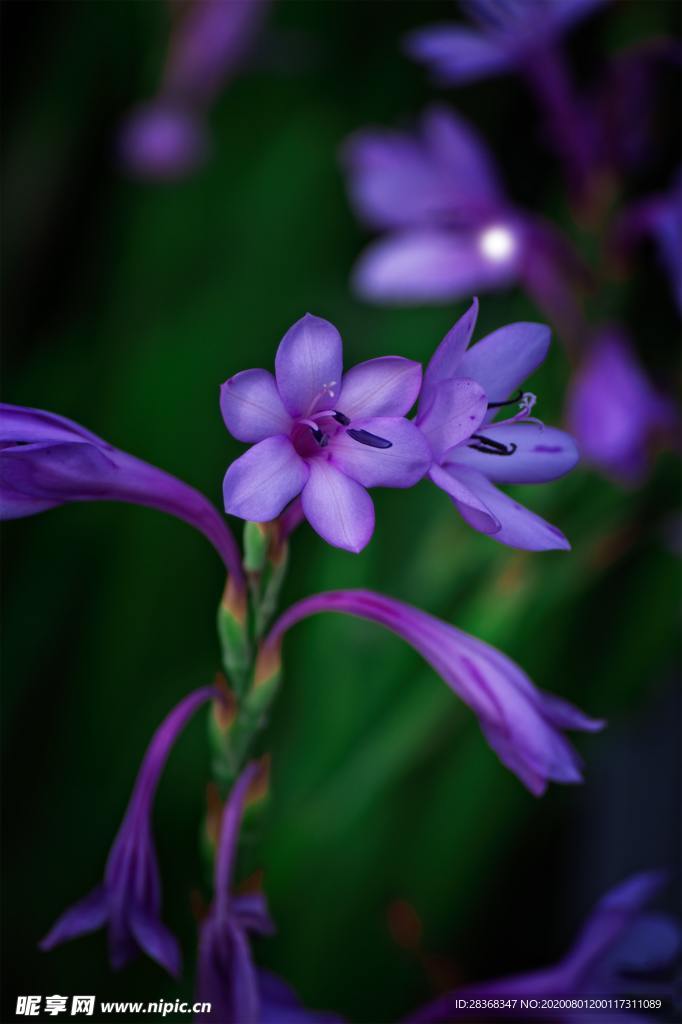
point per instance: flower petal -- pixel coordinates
(542, 453)
(429, 265)
(387, 386)
(261, 482)
(394, 181)
(60, 471)
(155, 939)
(338, 508)
(242, 978)
(456, 411)
(445, 360)
(309, 365)
(501, 361)
(281, 1005)
(83, 917)
(520, 528)
(401, 465)
(461, 151)
(251, 406)
(252, 910)
(609, 923)
(18, 423)
(455, 54)
(478, 514)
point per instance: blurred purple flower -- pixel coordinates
(47, 460)
(167, 138)
(322, 434)
(238, 991)
(620, 944)
(521, 723)
(517, 35)
(463, 390)
(658, 218)
(506, 35)
(451, 230)
(614, 410)
(129, 900)
(227, 977)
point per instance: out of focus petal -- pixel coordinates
(83, 917)
(428, 266)
(155, 939)
(455, 54)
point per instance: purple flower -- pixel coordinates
(227, 977)
(522, 724)
(166, 138)
(619, 945)
(450, 228)
(238, 991)
(46, 460)
(614, 410)
(506, 35)
(463, 390)
(322, 434)
(129, 900)
(518, 35)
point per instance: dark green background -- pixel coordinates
(125, 306)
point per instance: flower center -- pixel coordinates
(313, 433)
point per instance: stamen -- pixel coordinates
(510, 401)
(371, 440)
(490, 447)
(341, 418)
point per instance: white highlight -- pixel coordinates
(497, 243)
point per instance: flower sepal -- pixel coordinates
(233, 631)
(266, 679)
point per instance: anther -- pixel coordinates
(341, 418)
(518, 397)
(490, 447)
(371, 440)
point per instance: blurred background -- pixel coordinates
(400, 857)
